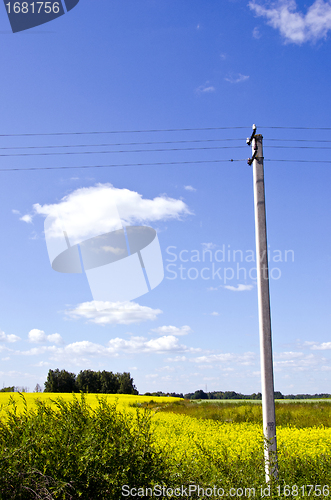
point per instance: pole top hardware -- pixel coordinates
(249, 139)
(250, 160)
(249, 142)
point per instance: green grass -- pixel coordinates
(298, 414)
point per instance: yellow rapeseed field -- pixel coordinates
(188, 439)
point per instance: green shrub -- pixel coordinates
(74, 451)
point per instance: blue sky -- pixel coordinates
(128, 66)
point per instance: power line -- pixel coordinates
(301, 161)
(122, 165)
(297, 128)
(121, 151)
(120, 144)
(125, 131)
(297, 140)
(195, 162)
(139, 131)
(296, 147)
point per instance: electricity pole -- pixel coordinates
(267, 378)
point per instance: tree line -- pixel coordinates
(200, 394)
(90, 381)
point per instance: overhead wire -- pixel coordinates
(123, 131)
(139, 131)
(121, 165)
(121, 151)
(157, 150)
(120, 144)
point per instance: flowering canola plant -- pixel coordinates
(188, 440)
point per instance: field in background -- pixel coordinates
(91, 399)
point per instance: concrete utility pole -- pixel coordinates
(267, 378)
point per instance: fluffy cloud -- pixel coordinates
(168, 343)
(322, 347)
(36, 336)
(315, 346)
(11, 338)
(206, 88)
(239, 288)
(172, 330)
(189, 188)
(84, 350)
(113, 313)
(237, 78)
(27, 218)
(247, 358)
(95, 210)
(298, 361)
(55, 338)
(294, 26)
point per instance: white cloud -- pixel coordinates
(27, 218)
(11, 338)
(98, 209)
(141, 344)
(208, 246)
(172, 330)
(239, 288)
(288, 355)
(297, 361)
(36, 336)
(206, 88)
(16, 212)
(214, 313)
(241, 359)
(166, 369)
(322, 347)
(189, 188)
(256, 33)
(113, 313)
(36, 351)
(78, 352)
(237, 78)
(295, 26)
(55, 338)
(42, 363)
(212, 289)
(177, 359)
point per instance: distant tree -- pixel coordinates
(126, 385)
(88, 381)
(60, 381)
(278, 395)
(38, 388)
(109, 383)
(8, 389)
(176, 395)
(200, 395)
(21, 388)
